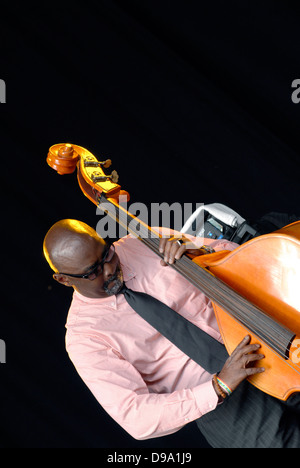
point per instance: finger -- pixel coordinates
(239, 349)
(177, 250)
(254, 370)
(162, 244)
(172, 249)
(249, 349)
(244, 348)
(162, 248)
(167, 250)
(249, 360)
(181, 250)
(244, 342)
(254, 357)
(243, 353)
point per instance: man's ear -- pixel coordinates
(62, 279)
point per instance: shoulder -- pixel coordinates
(129, 247)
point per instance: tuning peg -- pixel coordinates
(114, 177)
(89, 161)
(106, 163)
(98, 177)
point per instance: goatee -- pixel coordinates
(118, 280)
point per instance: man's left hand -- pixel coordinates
(174, 247)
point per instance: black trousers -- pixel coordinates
(250, 418)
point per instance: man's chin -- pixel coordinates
(115, 285)
(114, 289)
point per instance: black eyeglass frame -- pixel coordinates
(98, 268)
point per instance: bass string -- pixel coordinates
(238, 307)
(229, 299)
(270, 335)
(268, 341)
(262, 326)
(277, 340)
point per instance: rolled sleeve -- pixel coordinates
(206, 397)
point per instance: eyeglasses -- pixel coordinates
(97, 269)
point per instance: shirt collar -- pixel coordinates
(128, 273)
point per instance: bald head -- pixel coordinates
(75, 253)
(67, 243)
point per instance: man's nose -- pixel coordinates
(109, 269)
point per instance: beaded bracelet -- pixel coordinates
(222, 389)
(218, 388)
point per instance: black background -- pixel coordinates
(192, 102)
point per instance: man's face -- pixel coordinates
(91, 257)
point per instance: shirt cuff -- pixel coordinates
(206, 397)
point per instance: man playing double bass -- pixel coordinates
(145, 382)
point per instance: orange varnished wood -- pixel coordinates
(63, 158)
(281, 378)
(266, 271)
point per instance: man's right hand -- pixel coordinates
(239, 365)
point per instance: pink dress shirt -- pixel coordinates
(142, 380)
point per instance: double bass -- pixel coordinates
(254, 289)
